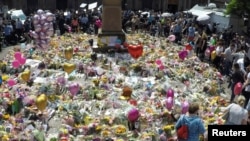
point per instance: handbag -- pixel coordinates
(182, 132)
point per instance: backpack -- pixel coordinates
(182, 132)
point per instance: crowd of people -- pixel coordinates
(227, 51)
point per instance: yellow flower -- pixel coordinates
(167, 128)
(6, 116)
(98, 128)
(5, 138)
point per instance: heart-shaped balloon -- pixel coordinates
(133, 114)
(22, 60)
(25, 75)
(18, 55)
(16, 64)
(11, 82)
(41, 102)
(69, 67)
(68, 53)
(135, 51)
(74, 88)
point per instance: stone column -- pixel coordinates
(111, 24)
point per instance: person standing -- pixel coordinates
(19, 28)
(237, 76)
(238, 115)
(191, 33)
(193, 121)
(246, 85)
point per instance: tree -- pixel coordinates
(238, 7)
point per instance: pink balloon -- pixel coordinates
(183, 54)
(133, 115)
(49, 32)
(18, 55)
(49, 17)
(74, 89)
(38, 28)
(158, 62)
(61, 80)
(171, 38)
(22, 60)
(11, 82)
(169, 103)
(42, 35)
(34, 34)
(237, 88)
(42, 20)
(207, 52)
(170, 93)
(161, 67)
(15, 64)
(212, 48)
(184, 107)
(45, 27)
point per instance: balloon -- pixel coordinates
(170, 93)
(25, 75)
(11, 82)
(69, 67)
(68, 53)
(184, 107)
(169, 103)
(212, 48)
(16, 64)
(207, 52)
(40, 11)
(38, 28)
(49, 32)
(135, 50)
(161, 67)
(171, 38)
(133, 102)
(41, 102)
(133, 115)
(237, 88)
(45, 27)
(42, 35)
(99, 71)
(213, 55)
(22, 60)
(42, 20)
(35, 19)
(183, 54)
(34, 35)
(61, 80)
(49, 17)
(158, 62)
(74, 89)
(188, 47)
(18, 55)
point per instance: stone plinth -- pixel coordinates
(111, 32)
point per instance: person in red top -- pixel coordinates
(74, 24)
(98, 24)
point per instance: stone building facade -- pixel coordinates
(157, 5)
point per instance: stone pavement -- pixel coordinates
(5, 51)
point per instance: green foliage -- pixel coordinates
(238, 7)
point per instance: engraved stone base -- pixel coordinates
(108, 41)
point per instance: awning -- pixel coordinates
(83, 5)
(92, 5)
(199, 12)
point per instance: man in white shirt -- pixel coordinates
(228, 59)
